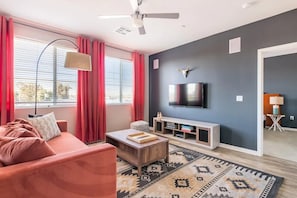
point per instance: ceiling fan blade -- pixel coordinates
(141, 30)
(113, 16)
(134, 4)
(162, 15)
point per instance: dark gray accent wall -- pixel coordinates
(280, 77)
(227, 75)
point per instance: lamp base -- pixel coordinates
(34, 116)
(275, 109)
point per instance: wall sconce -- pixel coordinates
(185, 71)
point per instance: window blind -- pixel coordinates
(118, 80)
(55, 83)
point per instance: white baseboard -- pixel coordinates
(240, 149)
(290, 129)
(235, 148)
(285, 128)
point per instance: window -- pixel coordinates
(55, 83)
(118, 80)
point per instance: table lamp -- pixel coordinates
(276, 101)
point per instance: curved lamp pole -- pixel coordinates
(74, 60)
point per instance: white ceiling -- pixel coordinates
(198, 19)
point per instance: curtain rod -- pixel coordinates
(28, 24)
(44, 29)
(119, 48)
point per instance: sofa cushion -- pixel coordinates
(16, 150)
(46, 125)
(66, 142)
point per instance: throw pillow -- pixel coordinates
(46, 125)
(19, 132)
(2, 130)
(17, 150)
(19, 128)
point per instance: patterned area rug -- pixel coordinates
(193, 174)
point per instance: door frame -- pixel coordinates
(263, 53)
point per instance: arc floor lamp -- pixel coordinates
(73, 60)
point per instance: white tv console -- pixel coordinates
(206, 134)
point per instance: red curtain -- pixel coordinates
(91, 112)
(6, 70)
(139, 85)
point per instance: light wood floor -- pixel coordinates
(281, 144)
(276, 166)
(272, 165)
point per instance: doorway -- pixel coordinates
(279, 50)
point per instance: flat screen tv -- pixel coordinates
(189, 94)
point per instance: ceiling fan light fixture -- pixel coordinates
(113, 16)
(249, 4)
(137, 20)
(137, 17)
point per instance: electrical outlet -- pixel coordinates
(292, 118)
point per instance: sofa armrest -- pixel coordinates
(90, 172)
(62, 124)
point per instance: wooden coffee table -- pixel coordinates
(135, 153)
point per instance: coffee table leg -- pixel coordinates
(139, 170)
(167, 159)
(167, 151)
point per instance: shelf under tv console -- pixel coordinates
(205, 134)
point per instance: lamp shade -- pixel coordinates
(79, 61)
(276, 100)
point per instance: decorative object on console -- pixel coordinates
(159, 115)
(276, 101)
(74, 60)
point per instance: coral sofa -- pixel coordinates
(74, 171)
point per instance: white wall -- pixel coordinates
(61, 113)
(118, 117)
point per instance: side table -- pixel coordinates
(275, 119)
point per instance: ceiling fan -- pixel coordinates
(137, 17)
